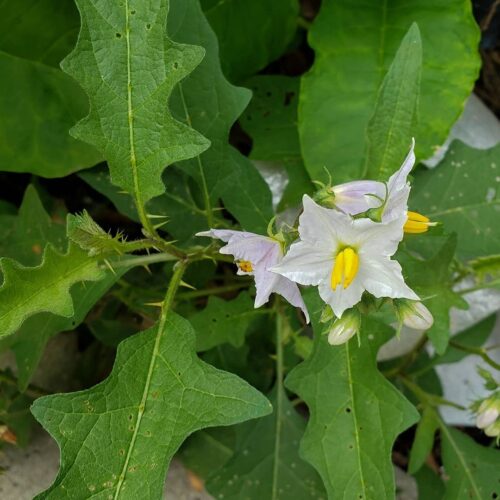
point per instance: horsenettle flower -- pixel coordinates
(345, 257)
(384, 202)
(254, 255)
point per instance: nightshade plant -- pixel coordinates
(262, 377)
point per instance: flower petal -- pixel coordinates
(358, 196)
(383, 278)
(225, 234)
(318, 225)
(290, 291)
(341, 298)
(305, 264)
(380, 239)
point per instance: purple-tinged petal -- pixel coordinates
(357, 197)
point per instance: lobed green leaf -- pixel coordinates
(118, 437)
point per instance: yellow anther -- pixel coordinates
(417, 223)
(345, 268)
(245, 266)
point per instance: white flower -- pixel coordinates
(254, 255)
(344, 328)
(357, 197)
(414, 314)
(345, 257)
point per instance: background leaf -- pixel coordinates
(390, 129)
(43, 30)
(223, 321)
(355, 413)
(353, 49)
(38, 105)
(271, 121)
(157, 394)
(212, 110)
(266, 463)
(463, 194)
(251, 34)
(473, 471)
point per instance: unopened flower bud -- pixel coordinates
(344, 328)
(488, 413)
(493, 430)
(414, 314)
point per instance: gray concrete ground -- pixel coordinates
(29, 471)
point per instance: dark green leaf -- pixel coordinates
(353, 50)
(38, 105)
(424, 440)
(212, 110)
(463, 194)
(266, 462)
(390, 130)
(251, 33)
(223, 321)
(473, 471)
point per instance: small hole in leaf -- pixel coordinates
(132, 12)
(269, 94)
(118, 35)
(148, 26)
(494, 495)
(348, 410)
(130, 417)
(175, 65)
(288, 98)
(214, 320)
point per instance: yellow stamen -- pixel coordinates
(345, 268)
(245, 266)
(417, 223)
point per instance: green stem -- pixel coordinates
(280, 326)
(32, 391)
(206, 196)
(428, 399)
(484, 286)
(216, 290)
(144, 260)
(479, 351)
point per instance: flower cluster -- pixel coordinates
(347, 236)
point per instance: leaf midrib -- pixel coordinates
(353, 409)
(461, 459)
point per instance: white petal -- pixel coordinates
(254, 248)
(341, 299)
(265, 283)
(225, 234)
(318, 225)
(399, 190)
(358, 196)
(399, 178)
(290, 291)
(380, 239)
(305, 264)
(383, 278)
